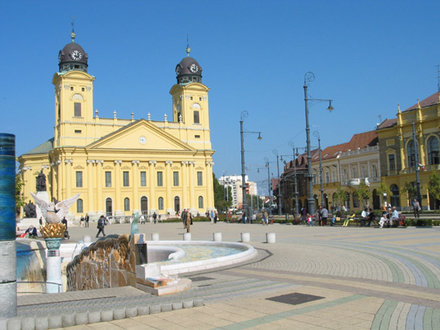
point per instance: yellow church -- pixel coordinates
(120, 166)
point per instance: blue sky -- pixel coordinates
(368, 56)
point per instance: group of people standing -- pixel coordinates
(187, 219)
(153, 218)
(321, 216)
(390, 217)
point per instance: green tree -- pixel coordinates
(434, 185)
(384, 189)
(19, 198)
(257, 203)
(410, 188)
(340, 196)
(219, 195)
(363, 193)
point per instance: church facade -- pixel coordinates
(120, 166)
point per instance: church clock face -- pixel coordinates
(76, 55)
(194, 68)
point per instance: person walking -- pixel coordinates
(416, 208)
(370, 217)
(66, 232)
(188, 221)
(364, 216)
(183, 218)
(394, 220)
(86, 221)
(100, 226)
(154, 217)
(324, 215)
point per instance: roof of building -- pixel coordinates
(43, 148)
(358, 141)
(387, 123)
(431, 100)
(185, 67)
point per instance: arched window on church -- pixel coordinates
(433, 151)
(160, 203)
(126, 204)
(200, 202)
(79, 206)
(395, 195)
(196, 117)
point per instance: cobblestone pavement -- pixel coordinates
(340, 278)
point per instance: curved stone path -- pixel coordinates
(360, 278)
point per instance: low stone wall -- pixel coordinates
(108, 263)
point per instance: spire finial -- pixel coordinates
(398, 108)
(73, 35)
(188, 50)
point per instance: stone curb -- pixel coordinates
(73, 318)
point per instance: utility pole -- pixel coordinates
(416, 153)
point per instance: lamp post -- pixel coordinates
(316, 134)
(416, 153)
(295, 154)
(309, 77)
(244, 114)
(280, 206)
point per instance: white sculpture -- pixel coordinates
(54, 213)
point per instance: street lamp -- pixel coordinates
(295, 154)
(280, 206)
(243, 115)
(416, 154)
(316, 134)
(309, 77)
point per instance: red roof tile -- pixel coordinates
(387, 123)
(361, 141)
(431, 100)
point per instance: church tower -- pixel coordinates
(190, 95)
(73, 96)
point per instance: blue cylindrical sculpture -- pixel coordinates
(8, 263)
(7, 187)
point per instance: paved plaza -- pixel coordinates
(311, 278)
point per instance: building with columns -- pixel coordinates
(120, 166)
(344, 166)
(409, 144)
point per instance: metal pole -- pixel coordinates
(8, 260)
(243, 170)
(279, 186)
(320, 172)
(416, 152)
(311, 200)
(268, 187)
(295, 182)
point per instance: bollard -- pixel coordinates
(270, 238)
(186, 236)
(217, 237)
(155, 236)
(245, 237)
(8, 261)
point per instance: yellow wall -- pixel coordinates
(394, 140)
(91, 145)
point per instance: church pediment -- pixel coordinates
(141, 135)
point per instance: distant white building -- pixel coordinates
(233, 182)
